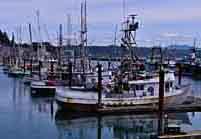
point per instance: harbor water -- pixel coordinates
(24, 117)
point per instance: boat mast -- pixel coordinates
(39, 55)
(20, 44)
(83, 34)
(124, 9)
(69, 30)
(30, 39)
(115, 35)
(115, 41)
(60, 43)
(13, 50)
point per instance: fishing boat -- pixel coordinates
(137, 92)
(41, 86)
(191, 64)
(130, 86)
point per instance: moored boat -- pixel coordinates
(18, 73)
(42, 88)
(131, 85)
(137, 92)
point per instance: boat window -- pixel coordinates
(151, 90)
(139, 87)
(171, 84)
(167, 87)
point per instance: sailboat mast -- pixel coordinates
(124, 9)
(83, 34)
(60, 42)
(69, 30)
(20, 44)
(31, 41)
(30, 34)
(39, 33)
(85, 24)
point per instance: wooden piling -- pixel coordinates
(161, 89)
(24, 65)
(31, 67)
(161, 100)
(52, 69)
(39, 69)
(179, 73)
(99, 84)
(70, 74)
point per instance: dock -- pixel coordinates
(192, 135)
(193, 104)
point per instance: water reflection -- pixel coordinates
(21, 98)
(37, 118)
(44, 105)
(78, 126)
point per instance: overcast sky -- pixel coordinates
(175, 20)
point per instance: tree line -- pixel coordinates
(4, 39)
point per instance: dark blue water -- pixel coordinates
(24, 117)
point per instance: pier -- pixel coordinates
(192, 135)
(194, 107)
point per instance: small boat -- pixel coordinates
(17, 73)
(42, 88)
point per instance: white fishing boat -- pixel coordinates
(139, 92)
(131, 86)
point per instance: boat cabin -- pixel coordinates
(150, 87)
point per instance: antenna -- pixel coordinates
(69, 30)
(115, 35)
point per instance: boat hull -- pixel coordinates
(17, 74)
(77, 107)
(91, 105)
(42, 91)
